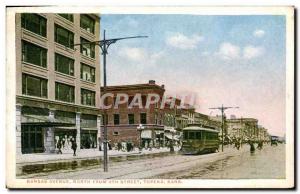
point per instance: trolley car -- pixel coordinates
(199, 140)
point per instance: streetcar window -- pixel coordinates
(198, 135)
(191, 135)
(185, 135)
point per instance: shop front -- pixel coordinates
(88, 139)
(32, 140)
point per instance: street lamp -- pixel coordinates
(222, 109)
(104, 44)
(140, 128)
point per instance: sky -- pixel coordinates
(230, 60)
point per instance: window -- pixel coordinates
(64, 64)
(66, 117)
(64, 92)
(185, 135)
(88, 121)
(87, 48)
(198, 135)
(116, 119)
(191, 135)
(34, 54)
(116, 132)
(87, 73)
(87, 97)
(34, 86)
(64, 36)
(130, 118)
(34, 23)
(143, 118)
(87, 23)
(67, 16)
(106, 118)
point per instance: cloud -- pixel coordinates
(250, 52)
(258, 33)
(133, 53)
(228, 51)
(137, 54)
(183, 42)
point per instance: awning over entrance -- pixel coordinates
(44, 121)
(48, 124)
(169, 136)
(171, 129)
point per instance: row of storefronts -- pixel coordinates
(40, 129)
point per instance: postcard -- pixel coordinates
(150, 97)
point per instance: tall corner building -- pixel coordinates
(57, 90)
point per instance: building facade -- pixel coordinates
(139, 125)
(57, 95)
(206, 121)
(244, 128)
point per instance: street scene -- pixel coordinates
(230, 164)
(150, 96)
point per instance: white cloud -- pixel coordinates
(133, 53)
(259, 33)
(250, 52)
(136, 54)
(183, 42)
(228, 51)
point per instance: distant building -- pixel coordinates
(207, 121)
(246, 128)
(57, 95)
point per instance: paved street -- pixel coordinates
(265, 163)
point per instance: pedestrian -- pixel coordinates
(119, 146)
(260, 145)
(252, 148)
(59, 145)
(74, 146)
(109, 146)
(100, 145)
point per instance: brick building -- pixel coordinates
(57, 95)
(123, 122)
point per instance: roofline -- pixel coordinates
(133, 86)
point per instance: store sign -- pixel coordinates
(146, 134)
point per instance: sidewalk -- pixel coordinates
(81, 154)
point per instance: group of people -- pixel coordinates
(61, 144)
(238, 143)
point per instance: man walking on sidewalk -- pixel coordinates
(59, 145)
(74, 146)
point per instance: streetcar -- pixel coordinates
(199, 140)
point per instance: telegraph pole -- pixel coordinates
(222, 109)
(104, 44)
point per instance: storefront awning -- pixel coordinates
(171, 129)
(170, 136)
(44, 121)
(158, 132)
(48, 124)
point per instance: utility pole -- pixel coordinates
(104, 44)
(222, 109)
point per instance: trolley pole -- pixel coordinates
(104, 44)
(222, 109)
